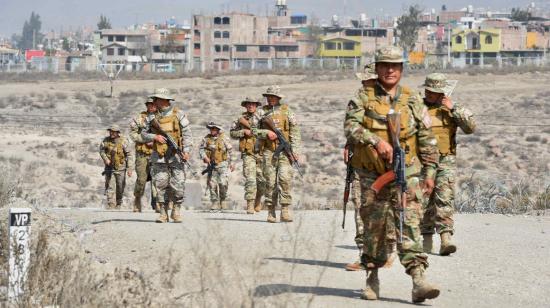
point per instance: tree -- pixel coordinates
(31, 36)
(520, 15)
(66, 45)
(103, 23)
(407, 28)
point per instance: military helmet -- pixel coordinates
(114, 128)
(368, 73)
(274, 90)
(437, 83)
(213, 125)
(249, 99)
(389, 54)
(162, 93)
(149, 100)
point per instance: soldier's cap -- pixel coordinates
(149, 100)
(274, 90)
(249, 99)
(210, 125)
(114, 128)
(368, 73)
(162, 93)
(389, 54)
(437, 83)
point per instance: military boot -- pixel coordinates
(285, 213)
(224, 205)
(157, 208)
(215, 207)
(137, 205)
(357, 265)
(372, 291)
(447, 247)
(422, 289)
(176, 213)
(427, 243)
(258, 203)
(250, 206)
(271, 216)
(163, 213)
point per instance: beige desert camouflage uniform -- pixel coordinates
(379, 212)
(118, 151)
(219, 150)
(143, 154)
(249, 147)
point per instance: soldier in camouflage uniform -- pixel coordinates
(366, 125)
(278, 169)
(168, 169)
(117, 157)
(254, 186)
(446, 117)
(216, 150)
(143, 155)
(368, 79)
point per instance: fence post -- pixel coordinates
(355, 64)
(499, 60)
(304, 63)
(519, 60)
(253, 64)
(481, 60)
(287, 63)
(270, 64)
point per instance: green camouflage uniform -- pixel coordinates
(252, 164)
(439, 209)
(219, 150)
(115, 180)
(379, 212)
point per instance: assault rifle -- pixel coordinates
(349, 180)
(209, 169)
(284, 145)
(397, 174)
(246, 124)
(173, 145)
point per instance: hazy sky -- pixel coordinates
(73, 13)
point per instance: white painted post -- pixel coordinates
(19, 250)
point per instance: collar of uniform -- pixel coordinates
(381, 92)
(166, 111)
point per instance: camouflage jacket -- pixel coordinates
(420, 124)
(237, 130)
(107, 147)
(137, 126)
(295, 138)
(227, 147)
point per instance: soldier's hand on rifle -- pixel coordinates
(428, 187)
(447, 102)
(206, 160)
(346, 151)
(232, 168)
(247, 132)
(160, 139)
(186, 156)
(271, 136)
(385, 150)
(108, 162)
(130, 173)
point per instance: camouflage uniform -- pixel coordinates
(168, 170)
(254, 186)
(219, 150)
(118, 152)
(273, 167)
(365, 126)
(438, 213)
(143, 159)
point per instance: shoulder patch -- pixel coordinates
(426, 118)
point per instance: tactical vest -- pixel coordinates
(376, 111)
(444, 129)
(171, 125)
(247, 143)
(115, 151)
(215, 149)
(143, 148)
(280, 119)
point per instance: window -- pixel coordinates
(225, 34)
(286, 48)
(110, 51)
(217, 34)
(458, 39)
(197, 46)
(217, 21)
(349, 46)
(488, 39)
(121, 51)
(330, 46)
(225, 48)
(156, 48)
(241, 48)
(217, 48)
(264, 48)
(225, 21)
(110, 38)
(120, 38)
(197, 33)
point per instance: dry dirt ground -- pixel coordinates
(233, 257)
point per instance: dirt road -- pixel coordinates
(228, 259)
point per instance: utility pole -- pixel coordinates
(33, 39)
(449, 42)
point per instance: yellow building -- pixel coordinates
(476, 40)
(340, 47)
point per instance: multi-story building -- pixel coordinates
(130, 48)
(169, 48)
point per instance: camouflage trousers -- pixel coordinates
(169, 179)
(218, 182)
(381, 219)
(273, 168)
(356, 200)
(254, 182)
(439, 209)
(115, 182)
(143, 171)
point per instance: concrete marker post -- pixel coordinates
(19, 250)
